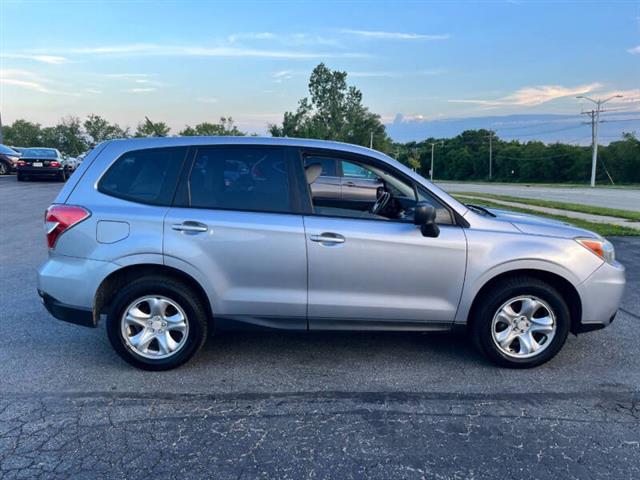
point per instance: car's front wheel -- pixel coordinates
(156, 323)
(521, 322)
(3, 168)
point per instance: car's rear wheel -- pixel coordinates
(62, 176)
(156, 323)
(3, 168)
(20, 177)
(521, 322)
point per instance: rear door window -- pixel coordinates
(145, 176)
(240, 178)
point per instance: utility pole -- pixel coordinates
(1, 129)
(595, 121)
(371, 140)
(490, 154)
(433, 144)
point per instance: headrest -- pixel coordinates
(312, 172)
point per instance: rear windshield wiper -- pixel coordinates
(480, 209)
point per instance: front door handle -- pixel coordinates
(327, 237)
(350, 184)
(190, 226)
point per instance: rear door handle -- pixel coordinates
(190, 226)
(350, 184)
(327, 237)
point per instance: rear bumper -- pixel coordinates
(44, 171)
(68, 313)
(67, 286)
(601, 295)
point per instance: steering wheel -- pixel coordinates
(381, 202)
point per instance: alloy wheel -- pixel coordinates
(523, 327)
(154, 327)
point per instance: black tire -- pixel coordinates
(482, 318)
(62, 176)
(176, 291)
(4, 169)
(20, 177)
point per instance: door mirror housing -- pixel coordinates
(425, 218)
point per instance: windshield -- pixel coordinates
(40, 152)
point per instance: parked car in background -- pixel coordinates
(170, 237)
(42, 162)
(8, 159)
(71, 163)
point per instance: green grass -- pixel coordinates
(573, 207)
(534, 184)
(604, 229)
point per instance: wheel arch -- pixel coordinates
(564, 287)
(119, 278)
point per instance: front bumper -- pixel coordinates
(601, 295)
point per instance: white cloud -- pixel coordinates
(207, 100)
(289, 39)
(24, 79)
(395, 35)
(31, 81)
(94, 91)
(634, 50)
(533, 96)
(142, 90)
(282, 75)
(251, 36)
(151, 49)
(50, 59)
(129, 75)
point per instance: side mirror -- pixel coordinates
(425, 218)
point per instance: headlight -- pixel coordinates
(602, 248)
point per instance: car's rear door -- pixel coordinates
(236, 226)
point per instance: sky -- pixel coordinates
(185, 62)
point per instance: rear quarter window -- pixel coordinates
(144, 176)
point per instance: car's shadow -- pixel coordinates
(339, 347)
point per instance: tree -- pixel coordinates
(224, 128)
(22, 133)
(98, 129)
(334, 111)
(67, 136)
(152, 129)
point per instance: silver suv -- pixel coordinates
(167, 238)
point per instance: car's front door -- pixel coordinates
(359, 185)
(234, 227)
(370, 271)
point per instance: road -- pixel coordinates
(285, 405)
(623, 198)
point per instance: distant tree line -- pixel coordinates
(334, 111)
(466, 157)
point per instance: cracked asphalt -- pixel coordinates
(295, 405)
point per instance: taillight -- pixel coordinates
(54, 164)
(21, 163)
(60, 218)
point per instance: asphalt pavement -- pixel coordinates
(623, 198)
(302, 405)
